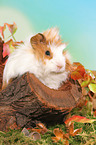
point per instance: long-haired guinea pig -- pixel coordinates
(42, 55)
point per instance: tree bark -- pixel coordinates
(25, 101)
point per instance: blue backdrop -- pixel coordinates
(76, 20)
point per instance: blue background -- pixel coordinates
(76, 20)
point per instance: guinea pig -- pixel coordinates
(43, 55)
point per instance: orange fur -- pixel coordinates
(40, 46)
(68, 62)
(52, 36)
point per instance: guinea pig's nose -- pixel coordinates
(59, 66)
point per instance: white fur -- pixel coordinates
(22, 61)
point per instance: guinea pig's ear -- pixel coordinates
(37, 39)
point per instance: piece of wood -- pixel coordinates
(25, 101)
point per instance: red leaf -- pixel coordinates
(12, 27)
(94, 113)
(80, 119)
(78, 72)
(75, 75)
(7, 47)
(81, 70)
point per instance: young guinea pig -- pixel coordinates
(42, 55)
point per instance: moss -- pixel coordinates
(88, 135)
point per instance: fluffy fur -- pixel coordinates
(29, 57)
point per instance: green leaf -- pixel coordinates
(85, 83)
(92, 87)
(90, 73)
(87, 89)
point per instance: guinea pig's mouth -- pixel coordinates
(57, 72)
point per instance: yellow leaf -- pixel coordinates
(92, 87)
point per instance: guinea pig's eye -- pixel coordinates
(47, 52)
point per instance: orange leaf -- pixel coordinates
(76, 131)
(60, 135)
(78, 72)
(36, 130)
(77, 64)
(2, 29)
(42, 129)
(73, 132)
(66, 135)
(40, 125)
(94, 113)
(81, 70)
(75, 75)
(80, 119)
(71, 128)
(55, 139)
(66, 142)
(17, 43)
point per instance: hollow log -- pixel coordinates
(25, 101)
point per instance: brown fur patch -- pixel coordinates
(68, 62)
(52, 36)
(40, 47)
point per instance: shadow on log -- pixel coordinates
(25, 101)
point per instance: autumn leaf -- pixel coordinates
(92, 87)
(73, 132)
(17, 43)
(94, 113)
(60, 135)
(2, 29)
(40, 128)
(88, 78)
(78, 72)
(85, 83)
(89, 72)
(12, 28)
(8, 47)
(76, 75)
(79, 119)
